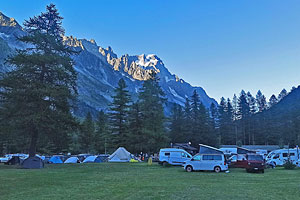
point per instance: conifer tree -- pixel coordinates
(187, 131)
(151, 98)
(136, 139)
(37, 92)
(272, 101)
(101, 139)
(119, 114)
(261, 101)
(87, 134)
(282, 94)
(177, 125)
(244, 114)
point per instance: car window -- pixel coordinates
(217, 157)
(276, 156)
(197, 157)
(255, 157)
(287, 154)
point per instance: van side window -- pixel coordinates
(217, 157)
(287, 155)
(197, 157)
(167, 154)
(212, 157)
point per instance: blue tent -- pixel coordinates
(55, 160)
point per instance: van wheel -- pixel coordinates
(189, 168)
(263, 171)
(164, 164)
(217, 169)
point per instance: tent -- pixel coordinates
(120, 155)
(72, 160)
(205, 149)
(93, 159)
(55, 160)
(33, 163)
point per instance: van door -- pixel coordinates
(197, 163)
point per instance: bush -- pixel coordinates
(289, 165)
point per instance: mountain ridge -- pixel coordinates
(99, 70)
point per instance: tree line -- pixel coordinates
(38, 94)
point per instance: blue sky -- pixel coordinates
(221, 45)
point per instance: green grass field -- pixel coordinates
(139, 181)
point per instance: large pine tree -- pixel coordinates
(118, 117)
(36, 94)
(152, 99)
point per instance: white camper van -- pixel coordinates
(279, 157)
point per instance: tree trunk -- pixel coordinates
(33, 142)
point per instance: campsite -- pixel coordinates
(140, 181)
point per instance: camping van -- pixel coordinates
(279, 157)
(206, 162)
(173, 156)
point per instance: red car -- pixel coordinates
(255, 162)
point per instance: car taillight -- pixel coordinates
(224, 162)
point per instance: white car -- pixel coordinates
(5, 159)
(209, 162)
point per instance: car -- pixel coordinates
(255, 162)
(173, 156)
(280, 156)
(206, 162)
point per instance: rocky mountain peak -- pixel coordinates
(10, 22)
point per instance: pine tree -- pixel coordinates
(261, 101)
(119, 115)
(37, 92)
(282, 94)
(272, 101)
(136, 138)
(187, 131)
(151, 98)
(177, 125)
(87, 134)
(101, 138)
(244, 114)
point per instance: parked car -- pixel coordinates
(255, 162)
(210, 162)
(279, 157)
(173, 156)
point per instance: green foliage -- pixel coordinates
(289, 165)
(87, 134)
(101, 139)
(36, 94)
(151, 100)
(118, 115)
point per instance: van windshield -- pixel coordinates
(255, 157)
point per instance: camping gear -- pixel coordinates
(33, 163)
(205, 149)
(55, 160)
(72, 160)
(120, 155)
(93, 159)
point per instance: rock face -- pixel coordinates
(99, 70)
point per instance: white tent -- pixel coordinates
(120, 155)
(72, 160)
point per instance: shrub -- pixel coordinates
(289, 165)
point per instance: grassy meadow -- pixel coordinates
(139, 181)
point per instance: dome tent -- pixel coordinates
(120, 155)
(55, 160)
(72, 160)
(33, 163)
(93, 159)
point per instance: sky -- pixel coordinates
(223, 46)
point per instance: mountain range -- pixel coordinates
(99, 70)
